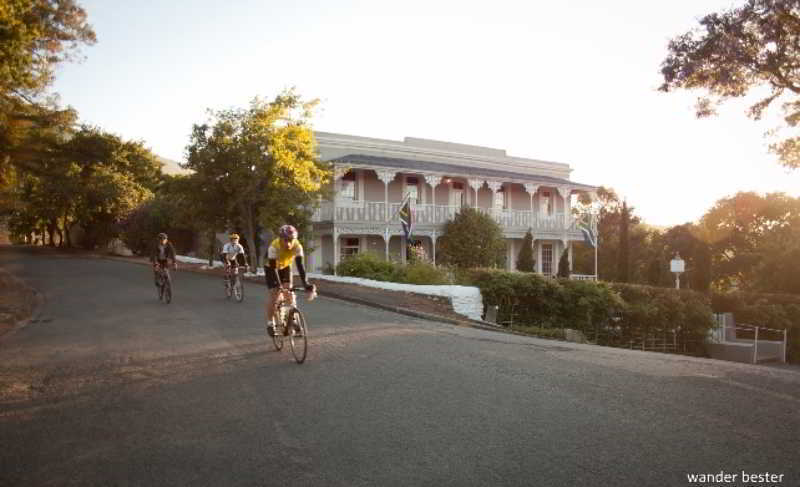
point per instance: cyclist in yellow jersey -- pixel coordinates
(278, 270)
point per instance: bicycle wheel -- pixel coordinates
(298, 335)
(160, 287)
(238, 289)
(167, 289)
(277, 338)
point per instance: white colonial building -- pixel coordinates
(373, 175)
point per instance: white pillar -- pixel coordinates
(386, 177)
(433, 249)
(475, 184)
(335, 249)
(433, 180)
(531, 188)
(386, 241)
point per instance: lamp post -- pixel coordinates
(676, 265)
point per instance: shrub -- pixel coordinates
(423, 273)
(525, 260)
(368, 266)
(472, 239)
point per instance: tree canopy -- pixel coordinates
(754, 48)
(260, 163)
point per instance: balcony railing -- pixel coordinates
(374, 212)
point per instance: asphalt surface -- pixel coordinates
(107, 386)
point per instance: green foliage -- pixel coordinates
(258, 166)
(368, 266)
(624, 255)
(160, 214)
(739, 50)
(472, 239)
(525, 260)
(88, 178)
(37, 35)
(563, 265)
(615, 313)
(371, 266)
(420, 272)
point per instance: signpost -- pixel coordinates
(676, 265)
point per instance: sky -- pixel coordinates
(573, 82)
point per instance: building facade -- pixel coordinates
(372, 176)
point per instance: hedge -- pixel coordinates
(609, 313)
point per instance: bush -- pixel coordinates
(368, 266)
(423, 273)
(371, 266)
(618, 313)
(472, 239)
(525, 260)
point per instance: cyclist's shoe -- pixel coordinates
(271, 329)
(298, 332)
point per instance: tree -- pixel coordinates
(261, 163)
(747, 229)
(741, 50)
(35, 36)
(623, 257)
(472, 239)
(525, 260)
(563, 265)
(89, 177)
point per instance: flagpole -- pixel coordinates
(596, 246)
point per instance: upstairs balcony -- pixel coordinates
(428, 215)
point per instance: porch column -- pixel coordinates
(475, 184)
(433, 180)
(386, 177)
(564, 192)
(386, 241)
(335, 249)
(531, 188)
(433, 247)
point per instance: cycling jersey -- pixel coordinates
(283, 256)
(231, 250)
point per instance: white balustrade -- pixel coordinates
(425, 214)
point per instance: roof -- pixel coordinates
(438, 167)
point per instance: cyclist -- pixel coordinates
(231, 252)
(160, 254)
(278, 270)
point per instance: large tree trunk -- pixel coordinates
(51, 232)
(212, 247)
(251, 235)
(67, 227)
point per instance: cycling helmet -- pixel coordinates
(288, 232)
(234, 235)
(162, 236)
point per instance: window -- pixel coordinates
(457, 195)
(411, 188)
(350, 246)
(547, 259)
(349, 188)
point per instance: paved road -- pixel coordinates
(110, 387)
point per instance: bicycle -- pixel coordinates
(164, 284)
(291, 323)
(234, 285)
